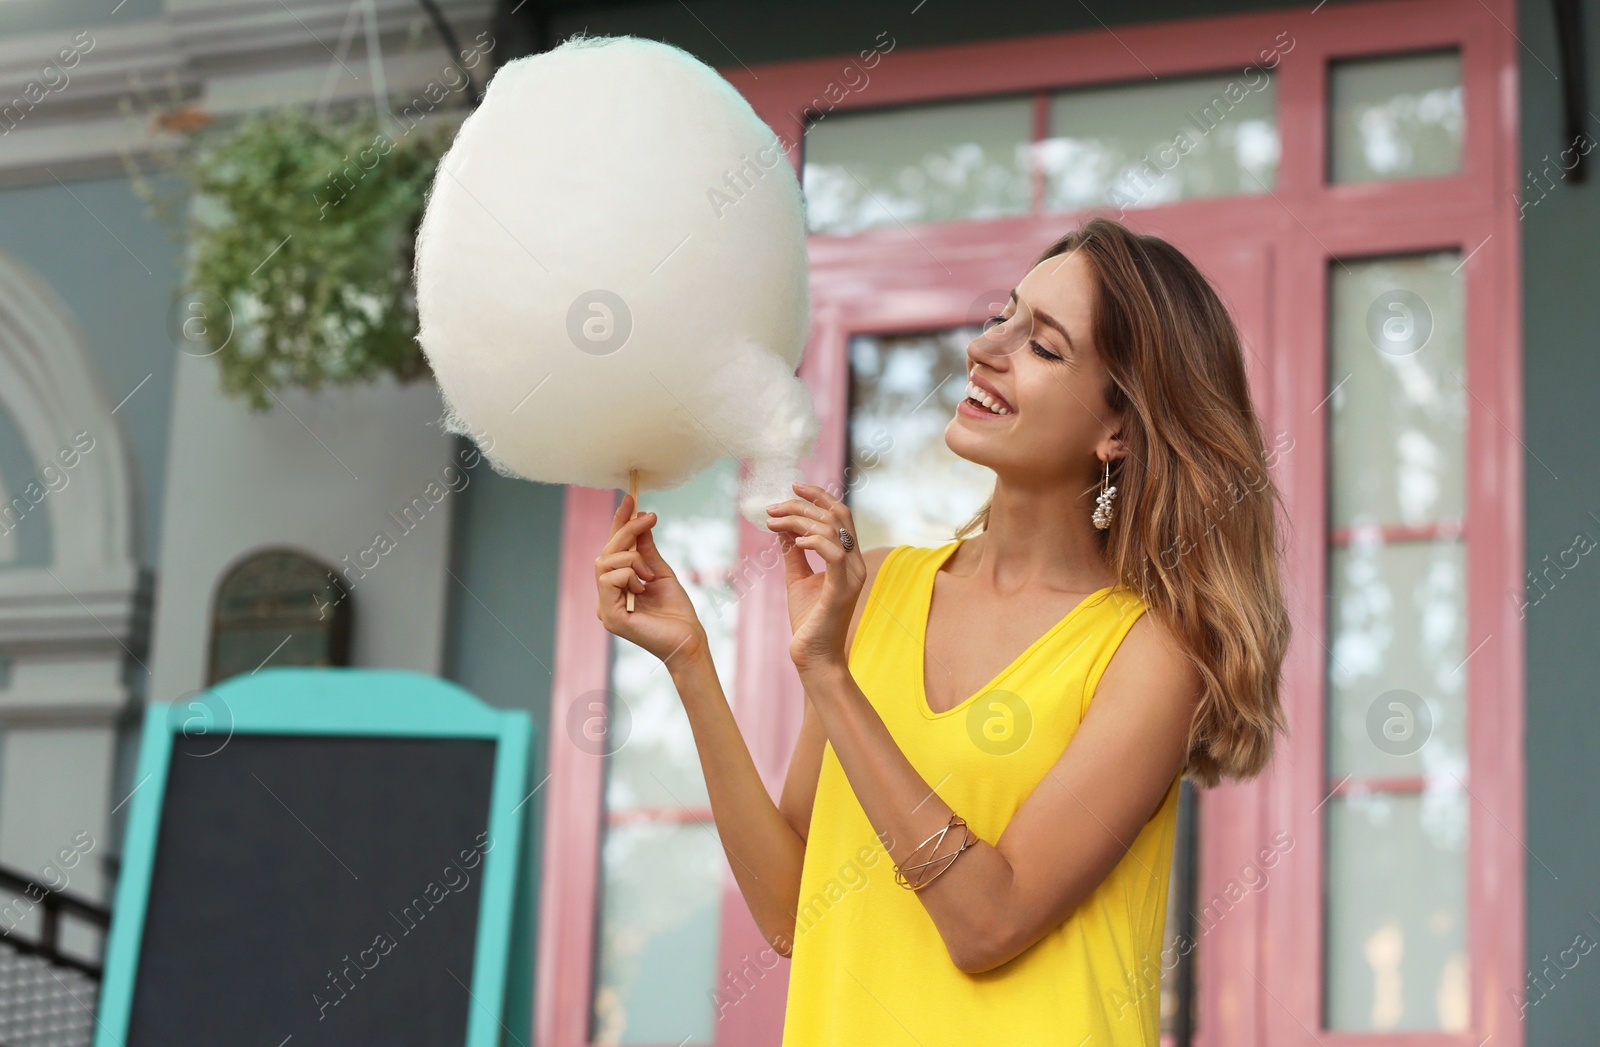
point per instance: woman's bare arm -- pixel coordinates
(765, 843)
(764, 850)
(805, 766)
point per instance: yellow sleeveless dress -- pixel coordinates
(868, 968)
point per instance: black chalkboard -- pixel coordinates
(322, 888)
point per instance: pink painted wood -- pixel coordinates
(572, 794)
(1374, 219)
(1260, 965)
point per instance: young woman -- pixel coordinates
(974, 839)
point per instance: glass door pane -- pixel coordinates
(1396, 820)
(661, 861)
(903, 485)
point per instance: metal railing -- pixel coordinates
(48, 996)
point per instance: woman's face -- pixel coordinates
(1042, 362)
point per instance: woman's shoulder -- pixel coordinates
(875, 558)
(1126, 599)
(914, 552)
(898, 557)
(877, 579)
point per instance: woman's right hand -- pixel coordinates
(663, 620)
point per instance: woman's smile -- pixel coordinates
(983, 399)
(970, 408)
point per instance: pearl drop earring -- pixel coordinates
(1102, 506)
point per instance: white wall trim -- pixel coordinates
(52, 391)
(42, 609)
(226, 58)
(68, 628)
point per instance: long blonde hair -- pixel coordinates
(1193, 530)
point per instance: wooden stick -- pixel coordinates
(633, 489)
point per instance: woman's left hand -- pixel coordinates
(820, 604)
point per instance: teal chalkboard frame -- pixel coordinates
(367, 703)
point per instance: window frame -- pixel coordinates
(340, 628)
(1260, 975)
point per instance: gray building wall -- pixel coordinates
(1561, 430)
(504, 574)
(119, 294)
(37, 16)
(68, 216)
(115, 268)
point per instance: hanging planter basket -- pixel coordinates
(300, 226)
(301, 234)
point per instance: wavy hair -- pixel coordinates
(1194, 531)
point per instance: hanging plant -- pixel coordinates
(300, 228)
(300, 233)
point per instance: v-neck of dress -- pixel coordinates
(934, 565)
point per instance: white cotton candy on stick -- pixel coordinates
(611, 276)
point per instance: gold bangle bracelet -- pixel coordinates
(968, 839)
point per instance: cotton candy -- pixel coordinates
(611, 275)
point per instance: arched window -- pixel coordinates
(281, 607)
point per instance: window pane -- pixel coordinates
(1396, 690)
(927, 163)
(1395, 117)
(1395, 906)
(904, 485)
(658, 944)
(1138, 145)
(282, 607)
(1399, 403)
(1396, 916)
(657, 765)
(661, 861)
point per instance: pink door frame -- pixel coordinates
(1261, 968)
